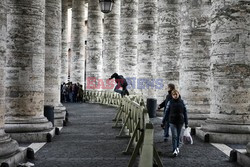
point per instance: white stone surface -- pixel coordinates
(64, 46)
(230, 71)
(7, 145)
(128, 38)
(230, 91)
(25, 65)
(111, 39)
(14, 160)
(52, 52)
(194, 81)
(77, 71)
(167, 67)
(3, 34)
(94, 37)
(222, 147)
(248, 147)
(147, 43)
(36, 146)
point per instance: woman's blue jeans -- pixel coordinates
(166, 130)
(176, 132)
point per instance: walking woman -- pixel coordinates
(176, 114)
(163, 104)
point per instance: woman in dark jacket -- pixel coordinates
(163, 104)
(176, 115)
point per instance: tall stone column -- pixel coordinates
(128, 40)
(64, 53)
(94, 45)
(248, 148)
(25, 69)
(70, 3)
(167, 67)
(195, 59)
(147, 42)
(52, 59)
(111, 37)
(7, 145)
(78, 42)
(229, 119)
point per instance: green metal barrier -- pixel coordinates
(133, 119)
(146, 158)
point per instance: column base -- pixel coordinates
(227, 138)
(43, 136)
(7, 145)
(27, 124)
(16, 158)
(59, 116)
(243, 159)
(196, 120)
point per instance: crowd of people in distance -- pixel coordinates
(71, 92)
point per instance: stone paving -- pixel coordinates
(199, 154)
(89, 141)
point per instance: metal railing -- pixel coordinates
(132, 117)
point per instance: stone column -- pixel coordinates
(128, 40)
(147, 42)
(248, 148)
(52, 59)
(229, 120)
(111, 37)
(77, 42)
(69, 40)
(70, 3)
(25, 72)
(7, 145)
(167, 67)
(94, 45)
(64, 53)
(195, 60)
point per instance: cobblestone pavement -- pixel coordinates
(89, 141)
(199, 154)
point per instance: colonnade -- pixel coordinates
(201, 46)
(230, 72)
(6, 142)
(30, 71)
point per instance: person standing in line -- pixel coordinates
(176, 115)
(121, 82)
(163, 104)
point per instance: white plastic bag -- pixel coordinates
(187, 139)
